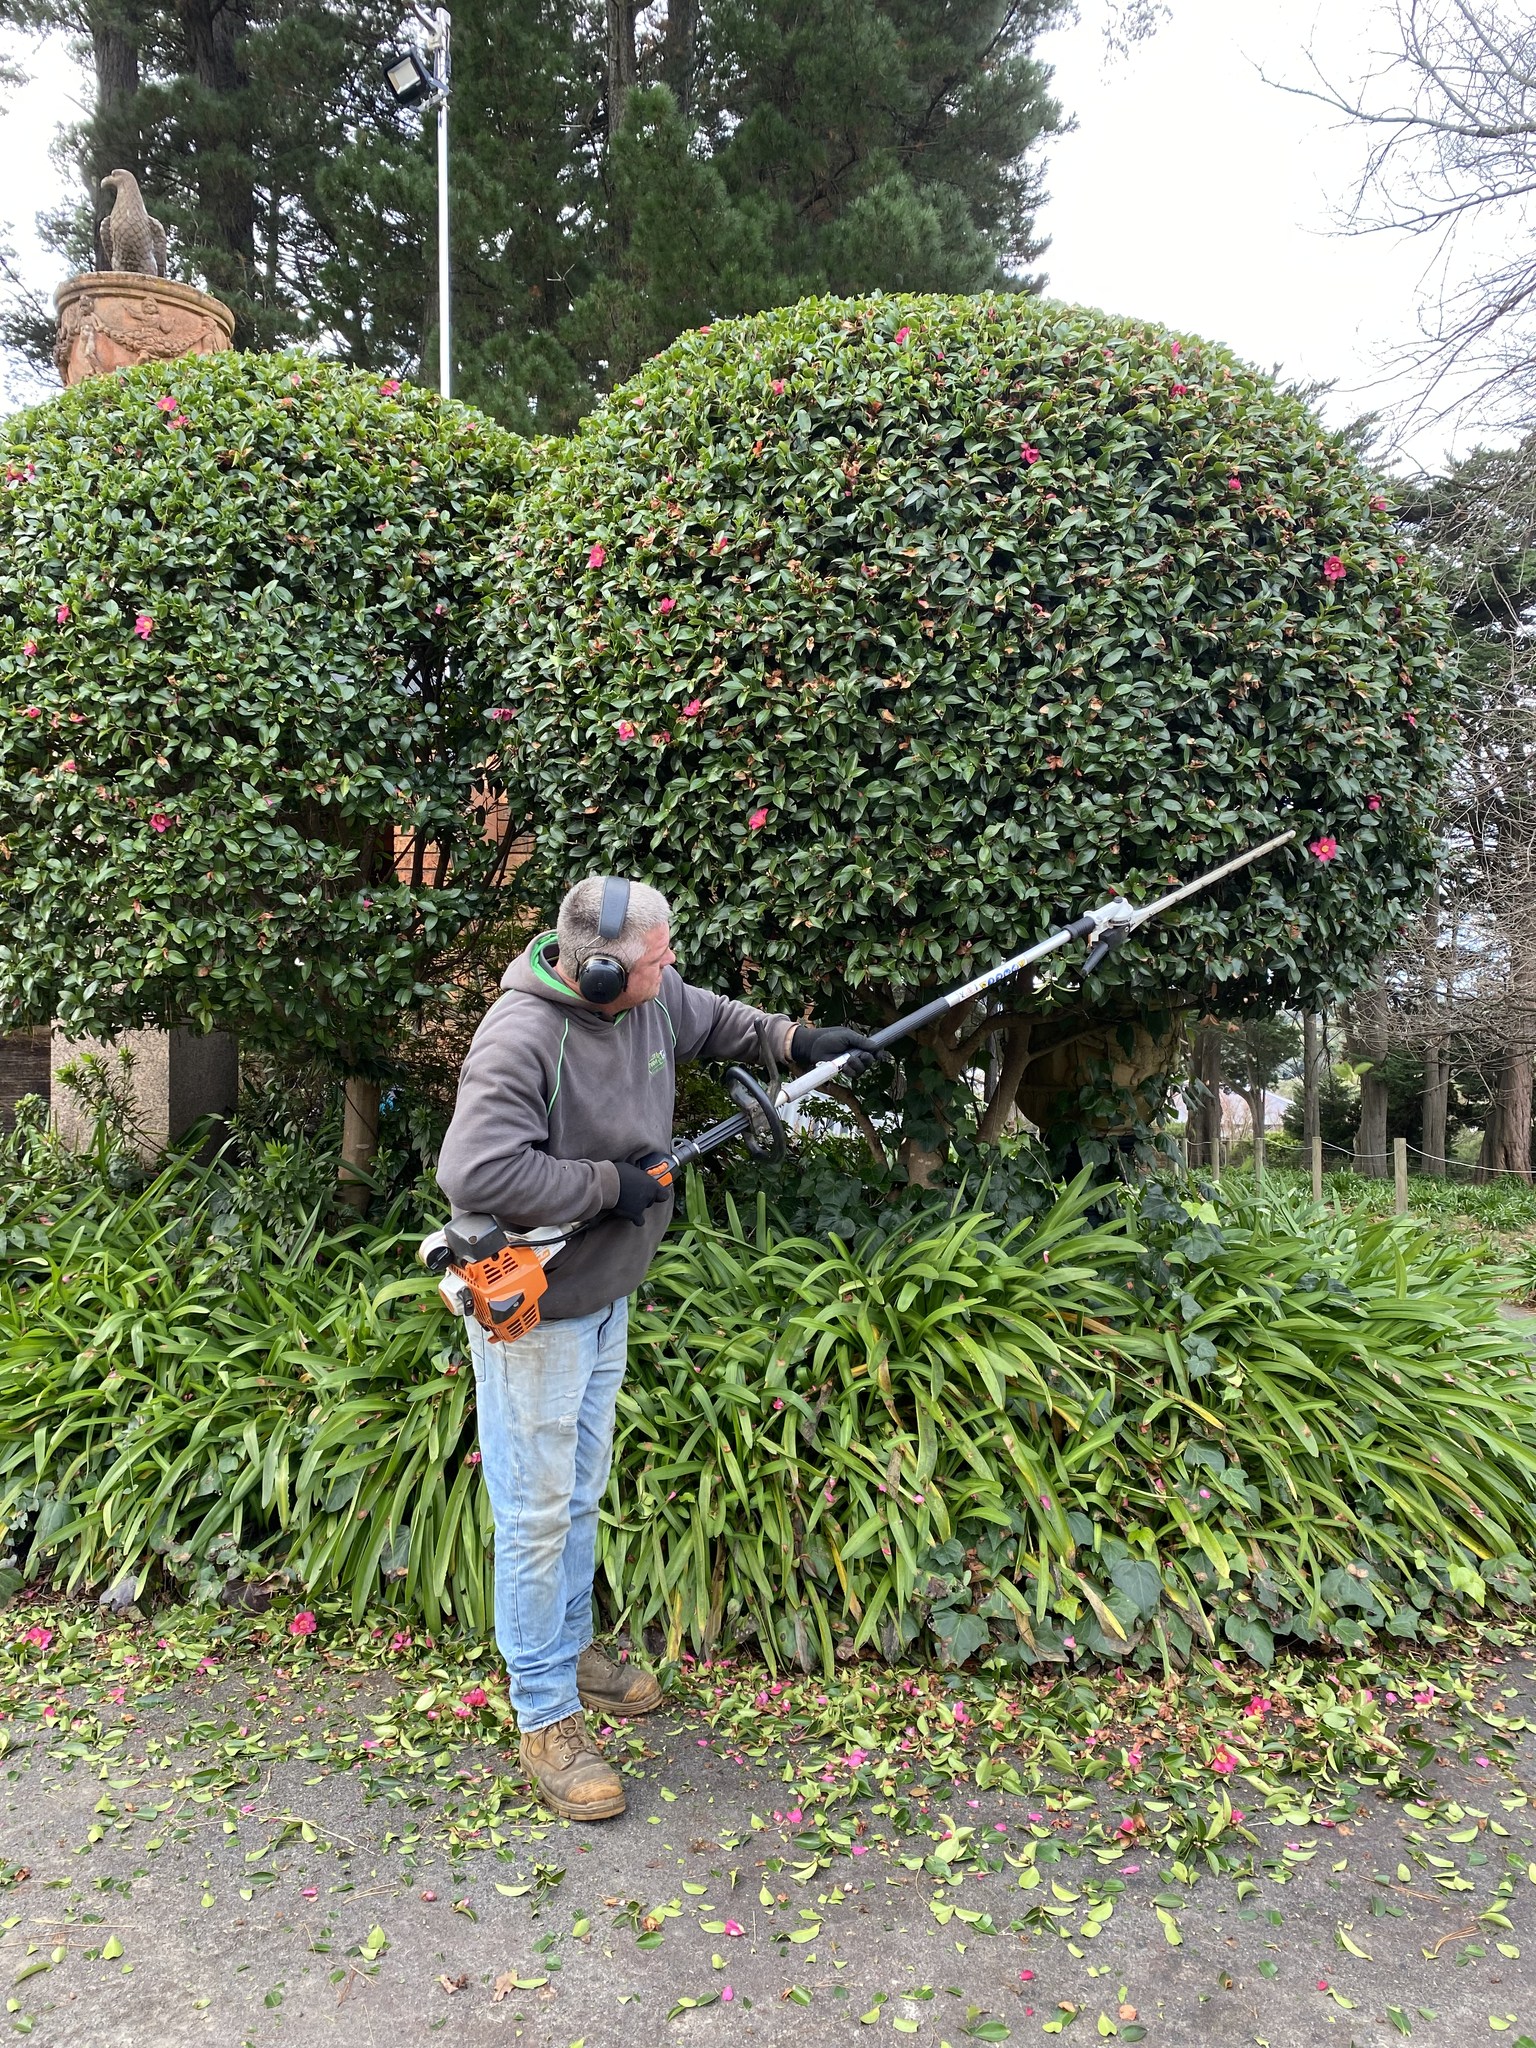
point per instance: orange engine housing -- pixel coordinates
(505, 1291)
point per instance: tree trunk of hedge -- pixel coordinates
(359, 1141)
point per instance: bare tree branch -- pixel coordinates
(1450, 113)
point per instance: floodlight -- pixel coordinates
(408, 78)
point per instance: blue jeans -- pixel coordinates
(545, 1405)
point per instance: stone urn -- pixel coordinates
(112, 319)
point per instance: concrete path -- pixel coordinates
(156, 1906)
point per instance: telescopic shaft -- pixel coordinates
(1108, 927)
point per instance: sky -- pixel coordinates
(1191, 192)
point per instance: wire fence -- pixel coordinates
(1502, 1198)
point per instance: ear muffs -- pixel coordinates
(602, 978)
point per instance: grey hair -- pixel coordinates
(581, 912)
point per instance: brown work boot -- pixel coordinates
(569, 1772)
(618, 1690)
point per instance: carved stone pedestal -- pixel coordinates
(178, 1076)
(113, 319)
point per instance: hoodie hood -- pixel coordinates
(532, 973)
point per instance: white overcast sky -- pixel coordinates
(1191, 191)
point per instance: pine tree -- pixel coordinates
(615, 178)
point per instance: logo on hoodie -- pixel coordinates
(657, 1061)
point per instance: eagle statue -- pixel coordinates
(130, 238)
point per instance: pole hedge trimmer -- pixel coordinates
(496, 1275)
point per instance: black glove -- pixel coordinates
(637, 1191)
(809, 1046)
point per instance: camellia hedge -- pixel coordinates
(880, 633)
(235, 594)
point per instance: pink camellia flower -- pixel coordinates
(758, 820)
(1175, 349)
(1378, 504)
(727, 1995)
(1258, 1706)
(734, 1927)
(143, 625)
(1234, 483)
(67, 768)
(159, 821)
(668, 604)
(473, 1458)
(1177, 390)
(1322, 1983)
(401, 1641)
(1399, 559)
(596, 555)
(62, 615)
(390, 387)
(1029, 456)
(302, 1624)
(1223, 1763)
(33, 711)
(29, 648)
(38, 1637)
(777, 387)
(477, 1696)
(1326, 848)
(295, 379)
(625, 729)
(1412, 717)
(1333, 570)
(1373, 803)
(901, 335)
(693, 707)
(166, 404)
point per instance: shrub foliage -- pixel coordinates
(879, 633)
(1042, 1441)
(234, 599)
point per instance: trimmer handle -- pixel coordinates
(661, 1166)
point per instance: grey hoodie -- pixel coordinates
(553, 1092)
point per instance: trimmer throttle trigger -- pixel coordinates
(661, 1166)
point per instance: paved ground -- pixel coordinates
(158, 1910)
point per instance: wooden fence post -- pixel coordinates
(1317, 1166)
(1400, 1175)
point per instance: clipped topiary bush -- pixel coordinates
(234, 596)
(883, 635)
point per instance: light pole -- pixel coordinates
(420, 77)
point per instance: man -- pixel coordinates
(569, 1082)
